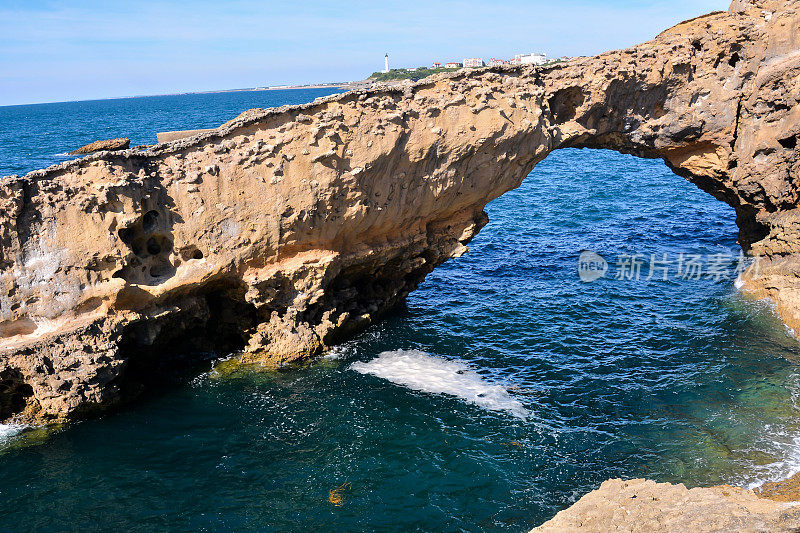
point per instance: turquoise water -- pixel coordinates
(511, 387)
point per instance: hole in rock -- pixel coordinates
(161, 270)
(153, 248)
(125, 235)
(14, 393)
(734, 60)
(137, 247)
(162, 352)
(790, 143)
(149, 220)
(20, 326)
(190, 252)
(565, 103)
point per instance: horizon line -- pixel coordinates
(181, 93)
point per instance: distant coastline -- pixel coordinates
(348, 85)
(341, 85)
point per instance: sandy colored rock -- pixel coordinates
(285, 230)
(787, 490)
(169, 136)
(648, 507)
(110, 144)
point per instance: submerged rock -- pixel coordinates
(110, 144)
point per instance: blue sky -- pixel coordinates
(56, 51)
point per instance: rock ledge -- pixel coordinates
(648, 507)
(110, 144)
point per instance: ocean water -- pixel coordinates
(504, 390)
(40, 135)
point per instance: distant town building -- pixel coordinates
(529, 59)
(386, 64)
(473, 62)
(437, 65)
(452, 65)
(412, 69)
(494, 62)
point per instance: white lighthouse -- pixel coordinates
(386, 63)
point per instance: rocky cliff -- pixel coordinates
(285, 230)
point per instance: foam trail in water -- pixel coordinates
(427, 373)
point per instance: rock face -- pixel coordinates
(649, 507)
(111, 144)
(285, 230)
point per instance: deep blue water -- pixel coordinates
(680, 380)
(38, 135)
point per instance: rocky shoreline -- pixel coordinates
(643, 506)
(286, 230)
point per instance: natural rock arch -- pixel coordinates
(285, 230)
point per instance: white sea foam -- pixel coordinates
(9, 430)
(778, 470)
(333, 354)
(739, 283)
(783, 443)
(428, 373)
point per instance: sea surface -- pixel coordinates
(504, 390)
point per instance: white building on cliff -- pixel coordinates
(473, 62)
(529, 59)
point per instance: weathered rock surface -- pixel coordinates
(169, 136)
(787, 490)
(110, 144)
(649, 507)
(285, 230)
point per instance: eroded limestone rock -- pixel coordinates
(648, 507)
(285, 230)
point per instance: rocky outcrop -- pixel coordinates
(649, 507)
(110, 144)
(285, 230)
